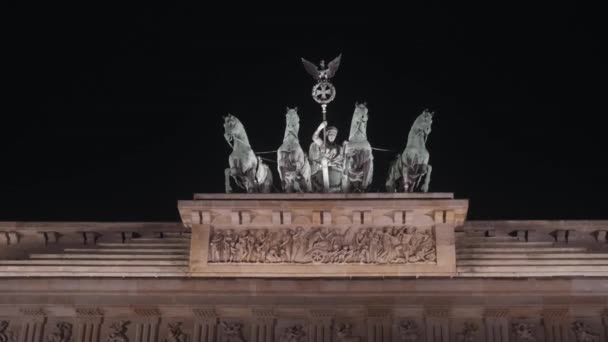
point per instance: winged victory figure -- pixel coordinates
(322, 72)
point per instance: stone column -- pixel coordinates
(496, 325)
(205, 325)
(88, 323)
(34, 321)
(320, 327)
(556, 325)
(379, 324)
(262, 325)
(146, 328)
(437, 325)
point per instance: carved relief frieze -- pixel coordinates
(232, 331)
(175, 333)
(524, 332)
(323, 245)
(293, 333)
(6, 333)
(583, 332)
(408, 331)
(118, 331)
(62, 333)
(344, 333)
(469, 333)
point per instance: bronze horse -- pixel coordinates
(248, 171)
(410, 171)
(292, 162)
(358, 158)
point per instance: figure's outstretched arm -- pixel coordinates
(315, 137)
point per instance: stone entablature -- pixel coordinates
(307, 235)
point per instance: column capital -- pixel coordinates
(205, 312)
(89, 314)
(33, 313)
(379, 313)
(555, 314)
(496, 313)
(439, 312)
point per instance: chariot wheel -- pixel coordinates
(317, 256)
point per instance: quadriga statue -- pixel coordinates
(410, 171)
(293, 165)
(248, 171)
(358, 158)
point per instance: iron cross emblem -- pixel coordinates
(323, 92)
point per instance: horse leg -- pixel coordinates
(267, 184)
(288, 182)
(394, 172)
(250, 181)
(427, 178)
(406, 180)
(306, 177)
(368, 175)
(346, 175)
(227, 180)
(391, 179)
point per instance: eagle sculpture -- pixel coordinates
(322, 73)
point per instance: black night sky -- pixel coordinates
(114, 114)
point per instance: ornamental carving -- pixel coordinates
(408, 331)
(524, 332)
(344, 333)
(62, 333)
(118, 332)
(323, 245)
(176, 334)
(583, 332)
(6, 335)
(294, 333)
(233, 332)
(468, 333)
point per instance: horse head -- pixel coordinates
(422, 124)
(358, 124)
(234, 131)
(292, 123)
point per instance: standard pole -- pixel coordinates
(324, 159)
